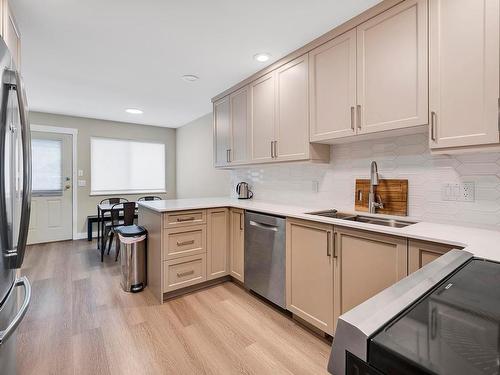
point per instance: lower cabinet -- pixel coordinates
(310, 272)
(368, 263)
(237, 243)
(217, 243)
(422, 252)
(183, 272)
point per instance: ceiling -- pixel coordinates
(96, 58)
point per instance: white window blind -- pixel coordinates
(124, 166)
(46, 166)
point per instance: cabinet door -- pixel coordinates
(292, 111)
(10, 33)
(237, 246)
(332, 83)
(263, 98)
(369, 263)
(392, 69)
(309, 272)
(240, 122)
(217, 243)
(221, 132)
(464, 76)
(421, 253)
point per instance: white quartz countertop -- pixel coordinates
(482, 243)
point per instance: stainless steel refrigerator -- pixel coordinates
(15, 197)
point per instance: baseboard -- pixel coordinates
(83, 235)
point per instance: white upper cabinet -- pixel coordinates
(464, 72)
(240, 121)
(292, 111)
(263, 118)
(221, 132)
(332, 83)
(392, 72)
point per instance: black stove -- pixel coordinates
(453, 328)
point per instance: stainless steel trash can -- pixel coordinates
(132, 257)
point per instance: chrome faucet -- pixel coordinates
(372, 198)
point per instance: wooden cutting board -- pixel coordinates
(394, 194)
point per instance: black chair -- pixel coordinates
(150, 198)
(128, 209)
(105, 217)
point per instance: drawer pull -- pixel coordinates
(185, 273)
(180, 219)
(185, 243)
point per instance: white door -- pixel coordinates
(51, 204)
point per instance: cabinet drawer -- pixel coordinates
(183, 218)
(181, 242)
(183, 272)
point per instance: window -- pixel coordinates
(124, 166)
(46, 166)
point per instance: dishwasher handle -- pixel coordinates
(263, 226)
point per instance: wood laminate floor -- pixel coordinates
(81, 322)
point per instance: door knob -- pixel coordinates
(67, 187)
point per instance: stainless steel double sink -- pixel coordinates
(395, 223)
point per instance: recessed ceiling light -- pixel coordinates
(134, 111)
(190, 77)
(262, 57)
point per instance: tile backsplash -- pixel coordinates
(331, 185)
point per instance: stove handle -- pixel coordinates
(433, 323)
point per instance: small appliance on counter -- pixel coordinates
(442, 319)
(243, 191)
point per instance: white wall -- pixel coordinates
(196, 175)
(406, 157)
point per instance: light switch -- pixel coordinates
(82, 183)
(80, 172)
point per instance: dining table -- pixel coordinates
(102, 210)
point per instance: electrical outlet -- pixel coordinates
(463, 192)
(467, 192)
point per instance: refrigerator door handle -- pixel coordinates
(5, 334)
(16, 255)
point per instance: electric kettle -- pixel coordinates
(243, 191)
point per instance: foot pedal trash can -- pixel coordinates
(133, 257)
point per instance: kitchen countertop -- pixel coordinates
(482, 243)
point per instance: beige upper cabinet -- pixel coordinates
(221, 132)
(392, 71)
(421, 253)
(332, 88)
(263, 118)
(464, 74)
(239, 125)
(217, 243)
(369, 263)
(292, 111)
(237, 243)
(309, 272)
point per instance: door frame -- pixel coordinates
(74, 139)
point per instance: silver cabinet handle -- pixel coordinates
(335, 247)
(358, 116)
(23, 281)
(433, 125)
(191, 242)
(180, 220)
(186, 273)
(352, 118)
(241, 221)
(275, 149)
(272, 150)
(328, 244)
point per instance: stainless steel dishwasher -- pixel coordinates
(265, 256)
